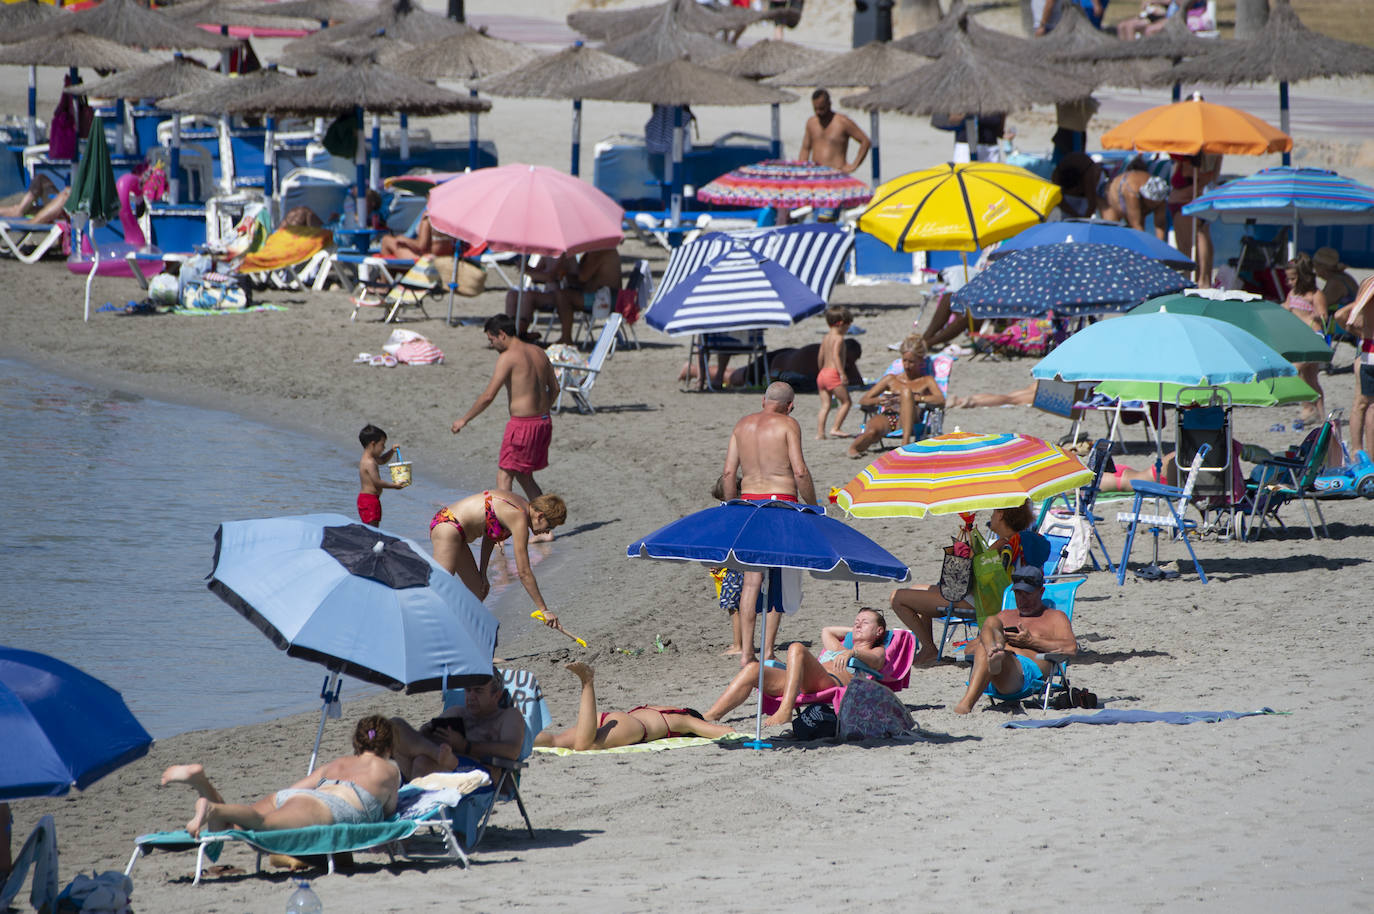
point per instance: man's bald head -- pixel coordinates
(780, 393)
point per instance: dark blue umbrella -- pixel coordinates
(61, 727)
(769, 536)
(1072, 280)
(1072, 231)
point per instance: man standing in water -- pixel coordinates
(524, 370)
(765, 449)
(826, 141)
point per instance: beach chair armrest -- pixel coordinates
(858, 667)
(574, 366)
(1054, 656)
(1283, 463)
(497, 761)
(1159, 489)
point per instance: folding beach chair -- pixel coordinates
(292, 257)
(1175, 500)
(899, 649)
(932, 419)
(1062, 594)
(28, 241)
(1080, 508)
(1282, 479)
(577, 380)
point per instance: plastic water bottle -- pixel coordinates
(304, 901)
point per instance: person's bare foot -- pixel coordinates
(581, 670)
(201, 819)
(961, 708)
(733, 651)
(995, 659)
(838, 434)
(193, 776)
(820, 437)
(777, 720)
(924, 657)
(853, 454)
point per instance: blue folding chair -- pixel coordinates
(1061, 594)
(1082, 503)
(955, 615)
(1175, 499)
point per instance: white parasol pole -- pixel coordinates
(674, 167)
(775, 118)
(374, 175)
(174, 166)
(329, 695)
(762, 617)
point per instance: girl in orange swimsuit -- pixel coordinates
(613, 729)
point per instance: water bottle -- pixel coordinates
(303, 900)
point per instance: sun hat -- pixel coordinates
(1328, 258)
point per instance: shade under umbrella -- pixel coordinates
(961, 471)
(63, 728)
(1082, 231)
(769, 57)
(1072, 280)
(128, 23)
(469, 54)
(782, 184)
(74, 49)
(181, 74)
(1277, 327)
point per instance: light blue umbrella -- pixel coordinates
(355, 599)
(1073, 231)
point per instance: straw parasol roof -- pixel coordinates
(181, 74)
(681, 82)
(321, 55)
(362, 84)
(968, 80)
(934, 41)
(767, 58)
(1284, 50)
(556, 75)
(664, 39)
(249, 13)
(126, 22)
(874, 63)
(607, 25)
(469, 54)
(1173, 42)
(319, 10)
(15, 16)
(75, 49)
(401, 20)
(217, 99)
(1075, 41)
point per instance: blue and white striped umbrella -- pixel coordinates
(1283, 195)
(814, 252)
(735, 289)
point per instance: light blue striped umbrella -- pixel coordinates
(1285, 195)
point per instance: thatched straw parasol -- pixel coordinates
(216, 99)
(664, 39)
(1075, 40)
(181, 74)
(556, 76)
(1173, 42)
(469, 54)
(607, 25)
(934, 41)
(75, 49)
(16, 16)
(126, 22)
(321, 55)
(768, 58)
(243, 13)
(319, 10)
(401, 20)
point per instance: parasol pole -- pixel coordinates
(771, 578)
(674, 171)
(775, 119)
(405, 138)
(472, 132)
(374, 174)
(1283, 123)
(576, 136)
(269, 160)
(32, 121)
(174, 167)
(873, 149)
(359, 166)
(330, 699)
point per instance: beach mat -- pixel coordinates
(249, 310)
(658, 745)
(1139, 717)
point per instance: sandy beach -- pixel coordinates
(1265, 813)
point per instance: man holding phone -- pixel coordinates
(462, 735)
(1005, 656)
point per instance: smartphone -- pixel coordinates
(1012, 629)
(448, 723)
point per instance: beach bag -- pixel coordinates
(1077, 529)
(990, 577)
(214, 292)
(62, 130)
(956, 571)
(869, 710)
(472, 278)
(627, 305)
(816, 721)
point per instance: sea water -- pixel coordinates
(107, 522)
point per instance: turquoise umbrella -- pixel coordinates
(93, 197)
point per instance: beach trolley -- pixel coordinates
(1204, 416)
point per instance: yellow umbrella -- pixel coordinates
(958, 207)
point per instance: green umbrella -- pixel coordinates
(1273, 392)
(93, 194)
(1274, 325)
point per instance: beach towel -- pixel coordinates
(39, 853)
(410, 348)
(1125, 716)
(658, 745)
(251, 309)
(287, 246)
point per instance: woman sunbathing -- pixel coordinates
(807, 673)
(494, 516)
(349, 790)
(35, 205)
(612, 729)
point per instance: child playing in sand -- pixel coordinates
(370, 480)
(830, 378)
(729, 587)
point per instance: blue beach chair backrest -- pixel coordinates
(1059, 593)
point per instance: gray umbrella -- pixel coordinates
(126, 22)
(678, 83)
(1284, 50)
(555, 76)
(871, 65)
(770, 58)
(666, 38)
(607, 25)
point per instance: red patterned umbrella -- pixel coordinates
(786, 184)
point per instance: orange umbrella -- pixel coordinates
(1195, 126)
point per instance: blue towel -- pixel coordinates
(1138, 717)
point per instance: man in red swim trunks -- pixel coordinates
(528, 377)
(765, 449)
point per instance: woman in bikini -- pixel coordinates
(354, 789)
(612, 729)
(1134, 195)
(494, 516)
(898, 395)
(805, 672)
(1308, 303)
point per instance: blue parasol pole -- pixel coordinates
(472, 134)
(360, 165)
(33, 105)
(1283, 121)
(775, 117)
(873, 150)
(576, 135)
(374, 175)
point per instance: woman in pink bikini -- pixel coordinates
(612, 729)
(494, 516)
(1308, 303)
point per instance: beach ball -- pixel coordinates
(162, 289)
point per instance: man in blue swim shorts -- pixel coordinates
(1006, 657)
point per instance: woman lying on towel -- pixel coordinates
(350, 790)
(492, 517)
(807, 673)
(611, 729)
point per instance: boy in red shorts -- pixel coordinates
(370, 480)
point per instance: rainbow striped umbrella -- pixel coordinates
(784, 184)
(961, 471)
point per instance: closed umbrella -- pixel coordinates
(1075, 231)
(355, 599)
(93, 198)
(62, 728)
(961, 471)
(782, 184)
(769, 536)
(1072, 280)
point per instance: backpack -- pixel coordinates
(869, 710)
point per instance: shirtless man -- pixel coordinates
(765, 447)
(524, 370)
(826, 141)
(1005, 660)
(898, 395)
(594, 271)
(462, 735)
